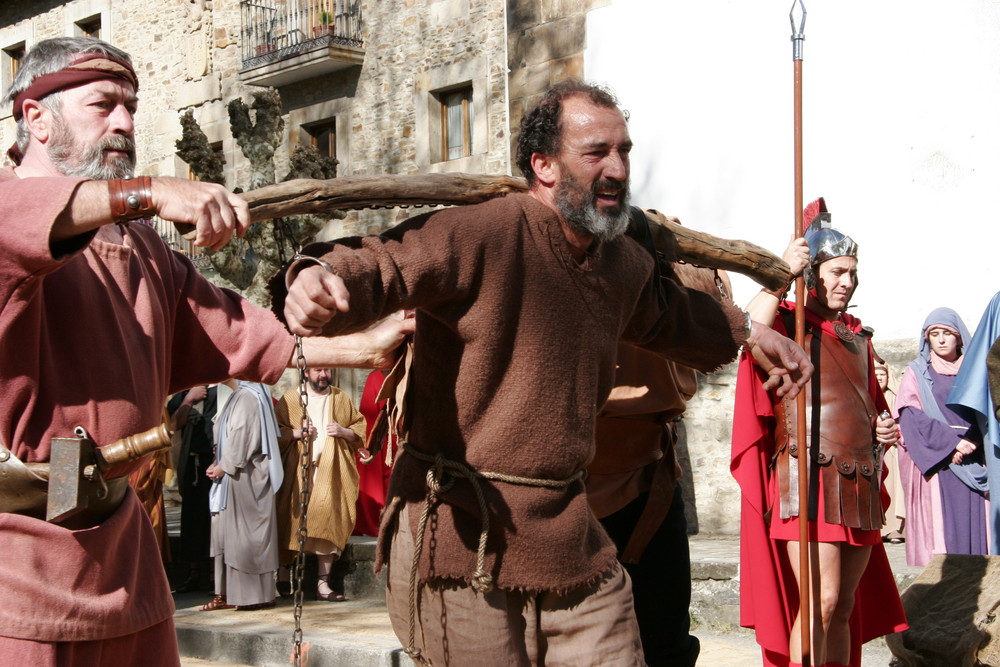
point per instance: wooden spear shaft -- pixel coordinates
(805, 573)
(301, 196)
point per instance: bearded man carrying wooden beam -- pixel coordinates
(521, 302)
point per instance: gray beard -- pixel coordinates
(90, 161)
(578, 208)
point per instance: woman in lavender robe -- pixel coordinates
(941, 462)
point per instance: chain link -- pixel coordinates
(298, 568)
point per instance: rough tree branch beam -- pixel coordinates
(300, 196)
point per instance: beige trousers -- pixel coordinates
(593, 625)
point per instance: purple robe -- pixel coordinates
(930, 444)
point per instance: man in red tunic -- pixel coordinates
(845, 439)
(521, 302)
(82, 288)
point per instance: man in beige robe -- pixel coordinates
(338, 430)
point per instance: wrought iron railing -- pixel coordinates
(175, 241)
(276, 29)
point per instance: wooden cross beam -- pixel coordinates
(302, 196)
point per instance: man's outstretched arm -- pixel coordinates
(215, 212)
(374, 348)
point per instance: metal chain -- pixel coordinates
(282, 235)
(298, 569)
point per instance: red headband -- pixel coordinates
(84, 69)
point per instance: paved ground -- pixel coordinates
(731, 649)
(361, 625)
(357, 633)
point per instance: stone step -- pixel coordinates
(715, 590)
(358, 632)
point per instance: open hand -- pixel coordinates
(386, 337)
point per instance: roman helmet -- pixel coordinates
(824, 241)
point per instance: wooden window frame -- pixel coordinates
(467, 120)
(327, 126)
(12, 57)
(92, 26)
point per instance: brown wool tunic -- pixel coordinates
(514, 354)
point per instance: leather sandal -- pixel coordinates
(218, 602)
(332, 596)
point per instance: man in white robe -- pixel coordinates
(247, 472)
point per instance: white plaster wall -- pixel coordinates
(901, 133)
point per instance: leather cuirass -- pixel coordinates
(840, 434)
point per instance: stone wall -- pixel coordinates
(545, 44)
(413, 48)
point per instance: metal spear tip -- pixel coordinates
(798, 31)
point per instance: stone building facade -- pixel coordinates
(382, 97)
(379, 103)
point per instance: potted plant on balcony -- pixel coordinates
(325, 26)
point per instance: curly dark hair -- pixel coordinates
(541, 128)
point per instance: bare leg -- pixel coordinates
(824, 588)
(853, 561)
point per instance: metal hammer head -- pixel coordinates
(68, 461)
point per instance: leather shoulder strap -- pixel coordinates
(638, 229)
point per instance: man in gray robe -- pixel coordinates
(247, 472)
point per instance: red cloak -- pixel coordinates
(769, 596)
(373, 477)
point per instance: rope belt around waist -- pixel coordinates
(437, 483)
(24, 489)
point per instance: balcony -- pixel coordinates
(286, 41)
(177, 242)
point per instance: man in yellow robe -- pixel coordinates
(338, 430)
